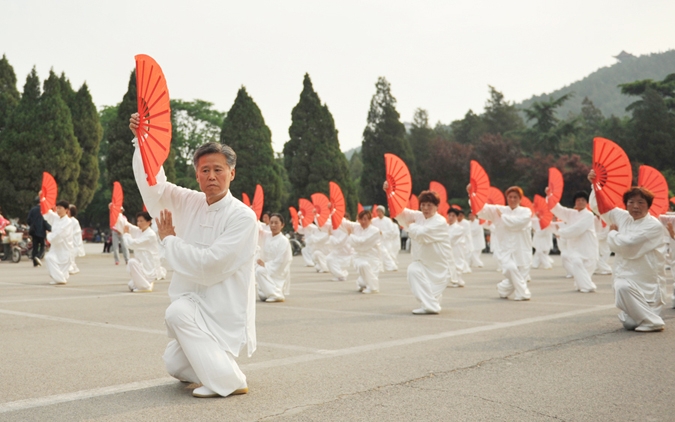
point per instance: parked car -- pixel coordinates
(88, 234)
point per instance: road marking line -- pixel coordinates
(275, 363)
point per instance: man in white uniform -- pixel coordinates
(456, 236)
(636, 238)
(59, 258)
(273, 267)
(307, 234)
(430, 271)
(468, 240)
(78, 245)
(542, 240)
(580, 241)
(340, 257)
(366, 241)
(145, 267)
(513, 226)
(391, 239)
(212, 251)
(601, 231)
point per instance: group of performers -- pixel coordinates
(223, 258)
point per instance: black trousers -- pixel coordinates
(38, 247)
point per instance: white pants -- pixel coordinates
(58, 270)
(267, 287)
(541, 259)
(603, 264)
(515, 281)
(388, 261)
(429, 294)
(307, 256)
(634, 306)
(138, 278)
(368, 276)
(338, 265)
(319, 258)
(581, 269)
(195, 355)
(475, 259)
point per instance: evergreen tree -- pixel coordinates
(547, 131)
(652, 131)
(9, 95)
(500, 116)
(121, 151)
(88, 131)
(420, 137)
(244, 130)
(312, 156)
(384, 134)
(469, 129)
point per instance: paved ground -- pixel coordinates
(92, 351)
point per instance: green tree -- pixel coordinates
(384, 134)
(652, 131)
(312, 156)
(244, 130)
(665, 89)
(501, 117)
(469, 129)
(420, 138)
(88, 131)
(121, 151)
(547, 131)
(9, 94)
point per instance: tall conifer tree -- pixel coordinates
(384, 133)
(420, 137)
(88, 131)
(312, 156)
(244, 130)
(9, 94)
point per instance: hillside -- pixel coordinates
(601, 85)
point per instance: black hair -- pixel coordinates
(279, 216)
(580, 194)
(145, 215)
(64, 204)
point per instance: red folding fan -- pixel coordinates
(245, 199)
(359, 208)
(414, 203)
(117, 201)
(322, 206)
(294, 217)
(337, 203)
(672, 200)
(613, 174)
(456, 207)
(525, 202)
(652, 179)
(541, 208)
(373, 209)
(154, 130)
(495, 196)
(48, 193)
(443, 206)
(308, 211)
(480, 186)
(400, 184)
(258, 201)
(556, 184)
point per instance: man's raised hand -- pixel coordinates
(165, 225)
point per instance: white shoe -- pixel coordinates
(422, 311)
(587, 291)
(521, 298)
(149, 290)
(647, 328)
(57, 283)
(274, 299)
(204, 392)
(368, 291)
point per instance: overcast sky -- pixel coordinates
(437, 55)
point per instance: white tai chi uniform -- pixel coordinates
(456, 236)
(514, 253)
(542, 240)
(603, 247)
(78, 245)
(274, 278)
(340, 257)
(670, 259)
(145, 267)
(308, 250)
(59, 257)
(468, 244)
(639, 268)
(478, 243)
(391, 242)
(429, 272)
(211, 317)
(581, 245)
(321, 246)
(366, 244)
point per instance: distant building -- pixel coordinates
(623, 56)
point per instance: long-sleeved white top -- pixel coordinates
(640, 251)
(145, 245)
(513, 228)
(60, 237)
(212, 256)
(431, 244)
(339, 243)
(543, 238)
(468, 239)
(578, 232)
(276, 253)
(78, 244)
(365, 242)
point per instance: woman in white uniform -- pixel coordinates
(366, 241)
(145, 266)
(273, 267)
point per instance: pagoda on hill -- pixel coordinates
(624, 57)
